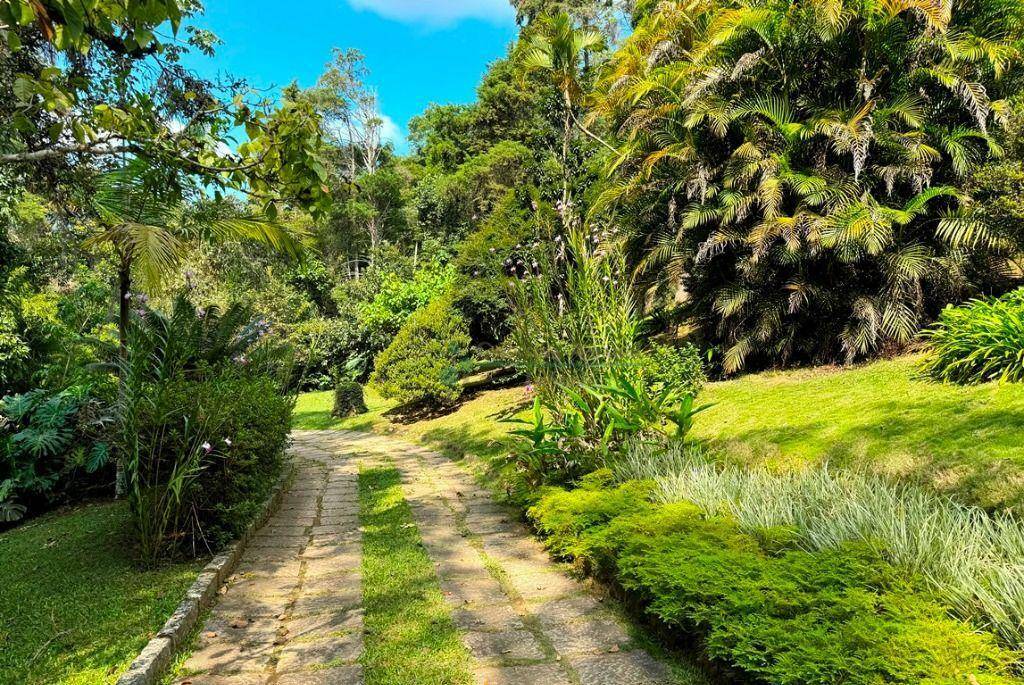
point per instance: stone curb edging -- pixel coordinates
(151, 663)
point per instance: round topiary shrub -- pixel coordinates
(423, 364)
(348, 399)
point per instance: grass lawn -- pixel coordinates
(473, 428)
(74, 607)
(410, 636)
(968, 441)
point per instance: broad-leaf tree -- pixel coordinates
(95, 81)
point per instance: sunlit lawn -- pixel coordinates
(883, 416)
(74, 607)
(968, 441)
(474, 427)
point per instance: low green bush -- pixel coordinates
(679, 368)
(579, 431)
(201, 426)
(423, 364)
(980, 341)
(348, 399)
(780, 614)
(824, 508)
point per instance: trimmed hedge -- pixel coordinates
(348, 399)
(762, 606)
(423, 364)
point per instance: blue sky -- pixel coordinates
(418, 51)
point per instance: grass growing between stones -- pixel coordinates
(410, 636)
(75, 609)
(473, 427)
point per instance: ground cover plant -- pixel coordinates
(77, 608)
(762, 605)
(826, 509)
(410, 636)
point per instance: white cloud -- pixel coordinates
(438, 12)
(390, 132)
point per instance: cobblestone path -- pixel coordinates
(291, 612)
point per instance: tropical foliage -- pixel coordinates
(980, 341)
(798, 169)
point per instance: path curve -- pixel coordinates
(291, 612)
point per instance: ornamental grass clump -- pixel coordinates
(980, 341)
(973, 561)
(574, 320)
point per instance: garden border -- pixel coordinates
(154, 659)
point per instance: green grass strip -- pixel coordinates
(410, 637)
(75, 609)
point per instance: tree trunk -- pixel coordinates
(566, 131)
(124, 289)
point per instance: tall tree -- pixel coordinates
(562, 51)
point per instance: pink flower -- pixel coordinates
(207, 447)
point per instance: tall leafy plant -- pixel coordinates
(176, 398)
(574, 317)
(797, 170)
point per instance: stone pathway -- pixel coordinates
(291, 614)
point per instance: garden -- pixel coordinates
(724, 299)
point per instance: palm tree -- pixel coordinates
(800, 167)
(562, 51)
(144, 215)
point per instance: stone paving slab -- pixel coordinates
(522, 618)
(290, 615)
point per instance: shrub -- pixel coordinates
(679, 368)
(789, 616)
(348, 399)
(201, 426)
(238, 476)
(425, 361)
(825, 509)
(980, 341)
(48, 440)
(585, 429)
(574, 317)
(396, 299)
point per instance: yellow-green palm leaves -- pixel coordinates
(144, 216)
(799, 162)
